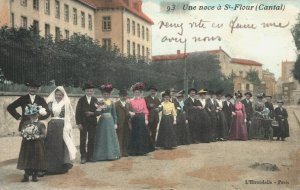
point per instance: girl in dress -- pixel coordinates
(166, 137)
(238, 130)
(140, 142)
(32, 152)
(60, 149)
(106, 141)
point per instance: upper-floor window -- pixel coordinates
(47, 7)
(36, 4)
(147, 34)
(128, 47)
(82, 19)
(74, 16)
(128, 25)
(57, 9)
(57, 33)
(23, 3)
(66, 13)
(47, 30)
(143, 32)
(138, 30)
(106, 25)
(133, 27)
(67, 34)
(90, 17)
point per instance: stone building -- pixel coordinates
(270, 82)
(119, 23)
(238, 67)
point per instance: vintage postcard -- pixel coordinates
(150, 94)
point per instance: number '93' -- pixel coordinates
(171, 7)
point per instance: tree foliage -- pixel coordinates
(252, 76)
(296, 35)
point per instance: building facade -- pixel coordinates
(269, 80)
(114, 23)
(59, 18)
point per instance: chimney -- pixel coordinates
(178, 52)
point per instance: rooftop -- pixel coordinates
(245, 62)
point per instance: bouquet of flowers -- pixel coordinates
(30, 132)
(106, 87)
(100, 105)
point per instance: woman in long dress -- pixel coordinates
(182, 128)
(140, 142)
(203, 118)
(166, 137)
(257, 129)
(281, 116)
(238, 130)
(106, 142)
(222, 129)
(59, 146)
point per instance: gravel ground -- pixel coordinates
(220, 165)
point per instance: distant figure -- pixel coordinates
(281, 116)
(23, 101)
(238, 130)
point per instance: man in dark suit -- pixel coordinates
(249, 110)
(211, 105)
(86, 120)
(23, 101)
(123, 121)
(191, 106)
(152, 104)
(228, 109)
(269, 105)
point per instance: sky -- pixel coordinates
(269, 46)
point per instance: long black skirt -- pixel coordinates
(204, 126)
(166, 137)
(32, 155)
(57, 155)
(222, 127)
(140, 142)
(282, 130)
(182, 130)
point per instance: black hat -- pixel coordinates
(166, 93)
(88, 86)
(180, 93)
(238, 94)
(32, 83)
(152, 88)
(248, 93)
(123, 92)
(192, 89)
(280, 101)
(228, 95)
(219, 92)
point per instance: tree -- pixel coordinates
(252, 76)
(296, 35)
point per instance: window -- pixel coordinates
(47, 30)
(90, 22)
(143, 32)
(23, 3)
(128, 25)
(82, 19)
(247, 86)
(36, 5)
(23, 22)
(147, 34)
(57, 33)
(74, 16)
(36, 27)
(138, 50)
(128, 47)
(57, 9)
(138, 30)
(66, 13)
(106, 26)
(133, 48)
(47, 7)
(12, 19)
(106, 43)
(143, 51)
(148, 54)
(67, 34)
(133, 27)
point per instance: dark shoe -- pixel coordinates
(25, 178)
(34, 177)
(83, 160)
(41, 174)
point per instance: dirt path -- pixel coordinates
(221, 165)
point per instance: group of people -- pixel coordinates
(128, 127)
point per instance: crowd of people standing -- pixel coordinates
(136, 126)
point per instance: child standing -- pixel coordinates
(32, 153)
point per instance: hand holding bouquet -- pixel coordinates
(30, 132)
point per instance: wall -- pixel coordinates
(8, 124)
(4, 12)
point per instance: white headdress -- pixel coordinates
(69, 114)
